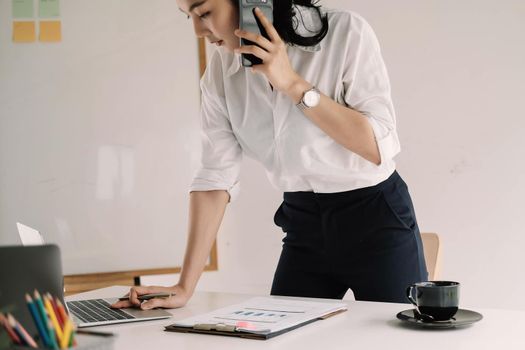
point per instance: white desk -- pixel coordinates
(365, 325)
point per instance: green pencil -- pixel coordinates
(42, 312)
(54, 344)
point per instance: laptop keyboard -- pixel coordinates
(96, 310)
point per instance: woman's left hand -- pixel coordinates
(275, 63)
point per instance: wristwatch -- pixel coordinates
(310, 99)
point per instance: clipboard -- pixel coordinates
(230, 330)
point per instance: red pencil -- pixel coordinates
(10, 331)
(62, 311)
(21, 330)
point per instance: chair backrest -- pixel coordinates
(432, 248)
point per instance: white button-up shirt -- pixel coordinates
(241, 114)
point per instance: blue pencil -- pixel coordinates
(38, 321)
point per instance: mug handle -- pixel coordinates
(409, 294)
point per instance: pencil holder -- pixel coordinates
(84, 342)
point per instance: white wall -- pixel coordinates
(458, 83)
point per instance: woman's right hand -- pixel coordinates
(179, 298)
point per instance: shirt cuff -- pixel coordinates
(387, 141)
(204, 185)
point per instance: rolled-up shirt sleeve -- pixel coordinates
(221, 153)
(367, 89)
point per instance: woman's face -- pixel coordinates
(214, 20)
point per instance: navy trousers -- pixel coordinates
(367, 240)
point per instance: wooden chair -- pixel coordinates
(432, 249)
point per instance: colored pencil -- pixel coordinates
(53, 317)
(18, 333)
(43, 315)
(54, 344)
(55, 309)
(65, 316)
(10, 332)
(21, 331)
(66, 336)
(62, 311)
(39, 322)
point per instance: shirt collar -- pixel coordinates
(306, 22)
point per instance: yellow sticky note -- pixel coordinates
(50, 31)
(24, 32)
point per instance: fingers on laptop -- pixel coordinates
(132, 298)
(133, 294)
(171, 302)
(121, 304)
(153, 303)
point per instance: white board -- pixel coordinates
(99, 134)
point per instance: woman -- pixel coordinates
(318, 114)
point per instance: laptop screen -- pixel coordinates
(24, 269)
(28, 235)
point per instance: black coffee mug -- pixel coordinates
(437, 299)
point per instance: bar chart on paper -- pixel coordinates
(264, 315)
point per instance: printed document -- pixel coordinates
(264, 315)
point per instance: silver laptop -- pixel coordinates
(28, 235)
(35, 273)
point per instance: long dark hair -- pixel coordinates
(284, 15)
(284, 21)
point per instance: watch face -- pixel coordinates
(311, 98)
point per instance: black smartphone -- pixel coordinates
(249, 22)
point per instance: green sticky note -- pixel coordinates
(22, 8)
(48, 8)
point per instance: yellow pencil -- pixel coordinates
(53, 318)
(64, 342)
